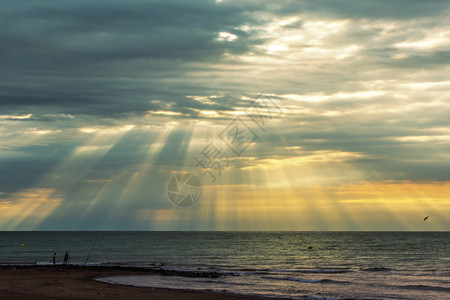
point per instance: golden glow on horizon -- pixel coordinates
(32, 205)
(304, 191)
(382, 205)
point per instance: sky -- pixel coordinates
(265, 115)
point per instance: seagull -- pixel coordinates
(424, 219)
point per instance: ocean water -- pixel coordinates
(357, 265)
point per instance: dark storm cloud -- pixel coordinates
(71, 32)
(110, 57)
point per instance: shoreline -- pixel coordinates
(79, 282)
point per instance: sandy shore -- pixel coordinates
(73, 282)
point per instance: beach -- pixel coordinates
(224, 265)
(77, 282)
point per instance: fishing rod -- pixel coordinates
(68, 252)
(90, 252)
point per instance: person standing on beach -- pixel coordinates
(54, 258)
(66, 258)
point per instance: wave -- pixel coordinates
(313, 271)
(22, 263)
(423, 287)
(376, 269)
(261, 271)
(303, 279)
(47, 263)
(249, 269)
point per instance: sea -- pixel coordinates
(291, 265)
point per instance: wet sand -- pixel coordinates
(77, 282)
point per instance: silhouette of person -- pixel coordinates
(54, 258)
(66, 258)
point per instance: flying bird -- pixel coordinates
(424, 219)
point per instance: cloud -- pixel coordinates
(80, 57)
(99, 99)
(16, 117)
(26, 208)
(113, 59)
